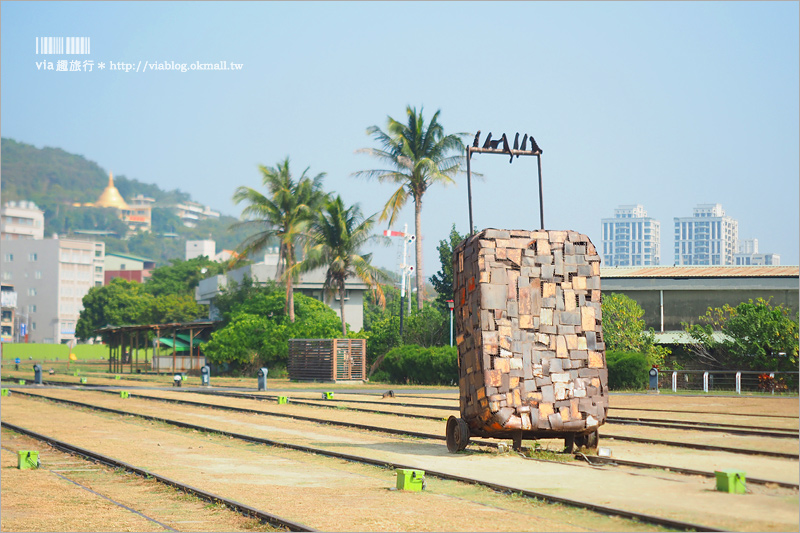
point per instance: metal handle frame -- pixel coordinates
(473, 149)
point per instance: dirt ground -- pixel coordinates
(665, 494)
(41, 500)
(324, 493)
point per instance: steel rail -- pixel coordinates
(733, 429)
(701, 412)
(602, 509)
(706, 447)
(415, 434)
(769, 432)
(673, 424)
(742, 451)
(327, 403)
(205, 495)
(338, 400)
(113, 501)
(279, 415)
(595, 459)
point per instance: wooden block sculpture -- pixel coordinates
(530, 338)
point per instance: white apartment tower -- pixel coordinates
(631, 238)
(747, 254)
(21, 220)
(708, 237)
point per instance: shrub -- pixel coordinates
(414, 364)
(627, 370)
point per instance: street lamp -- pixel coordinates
(450, 305)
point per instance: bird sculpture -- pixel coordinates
(507, 148)
(516, 146)
(488, 141)
(535, 147)
(475, 142)
(524, 143)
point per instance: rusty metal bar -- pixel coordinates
(541, 199)
(469, 199)
(475, 149)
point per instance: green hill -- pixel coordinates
(54, 180)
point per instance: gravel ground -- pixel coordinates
(665, 494)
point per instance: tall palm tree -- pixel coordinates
(335, 238)
(282, 214)
(419, 155)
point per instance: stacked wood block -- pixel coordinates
(530, 340)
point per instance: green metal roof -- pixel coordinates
(179, 344)
(129, 256)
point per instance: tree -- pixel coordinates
(624, 331)
(335, 239)
(119, 303)
(258, 329)
(419, 156)
(443, 280)
(181, 277)
(281, 215)
(757, 336)
(176, 308)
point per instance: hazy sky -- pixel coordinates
(665, 104)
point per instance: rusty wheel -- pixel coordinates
(588, 441)
(457, 434)
(569, 443)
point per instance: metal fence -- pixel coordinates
(728, 380)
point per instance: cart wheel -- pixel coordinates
(569, 443)
(592, 440)
(457, 434)
(589, 440)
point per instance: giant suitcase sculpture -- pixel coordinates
(530, 341)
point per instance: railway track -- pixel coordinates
(293, 526)
(732, 429)
(760, 415)
(673, 424)
(435, 437)
(205, 495)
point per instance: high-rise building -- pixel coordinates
(51, 277)
(747, 254)
(631, 238)
(708, 237)
(21, 220)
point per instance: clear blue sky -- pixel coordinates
(665, 104)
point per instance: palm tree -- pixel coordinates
(335, 238)
(282, 215)
(419, 155)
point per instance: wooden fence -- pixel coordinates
(327, 359)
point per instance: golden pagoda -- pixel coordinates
(111, 196)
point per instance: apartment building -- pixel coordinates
(747, 254)
(21, 220)
(708, 237)
(51, 277)
(631, 238)
(191, 212)
(8, 306)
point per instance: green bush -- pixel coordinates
(414, 364)
(627, 370)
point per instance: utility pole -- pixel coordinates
(405, 270)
